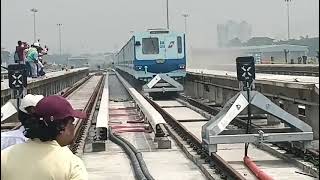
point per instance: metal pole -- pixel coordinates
(3, 25)
(34, 26)
(185, 25)
(249, 119)
(34, 10)
(167, 14)
(185, 22)
(59, 26)
(19, 95)
(288, 15)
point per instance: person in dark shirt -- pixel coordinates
(20, 50)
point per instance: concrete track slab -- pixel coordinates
(194, 127)
(171, 103)
(79, 98)
(184, 114)
(117, 105)
(108, 165)
(163, 164)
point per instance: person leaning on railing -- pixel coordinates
(45, 156)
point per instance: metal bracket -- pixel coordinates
(212, 130)
(162, 83)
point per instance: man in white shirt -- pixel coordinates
(27, 105)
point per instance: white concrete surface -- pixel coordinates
(184, 113)
(163, 164)
(272, 79)
(103, 113)
(78, 99)
(169, 103)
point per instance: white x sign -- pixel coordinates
(17, 79)
(246, 71)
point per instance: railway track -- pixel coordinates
(221, 168)
(212, 165)
(186, 133)
(82, 96)
(227, 163)
(127, 122)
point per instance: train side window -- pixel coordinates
(150, 46)
(179, 43)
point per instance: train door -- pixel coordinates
(171, 50)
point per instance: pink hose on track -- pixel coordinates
(256, 170)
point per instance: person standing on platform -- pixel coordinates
(45, 155)
(32, 58)
(19, 53)
(25, 53)
(26, 108)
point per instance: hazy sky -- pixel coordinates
(104, 25)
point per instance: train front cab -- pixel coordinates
(160, 58)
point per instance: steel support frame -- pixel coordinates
(214, 132)
(151, 86)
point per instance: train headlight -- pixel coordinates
(182, 66)
(138, 68)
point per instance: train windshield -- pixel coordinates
(150, 46)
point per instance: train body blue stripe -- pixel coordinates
(154, 67)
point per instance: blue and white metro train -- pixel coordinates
(157, 57)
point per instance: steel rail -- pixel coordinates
(81, 124)
(196, 144)
(75, 86)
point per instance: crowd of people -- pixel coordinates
(32, 56)
(39, 149)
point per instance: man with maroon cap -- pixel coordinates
(44, 156)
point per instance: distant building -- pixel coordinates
(278, 53)
(232, 30)
(5, 57)
(259, 41)
(78, 61)
(225, 58)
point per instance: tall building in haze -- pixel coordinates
(231, 30)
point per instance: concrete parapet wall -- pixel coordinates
(289, 69)
(220, 88)
(52, 83)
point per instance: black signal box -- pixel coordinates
(17, 75)
(245, 69)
